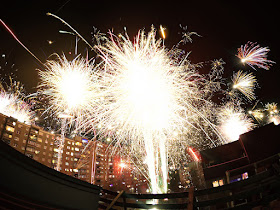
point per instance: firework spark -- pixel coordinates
(257, 114)
(186, 35)
(245, 83)
(13, 103)
(254, 55)
(234, 122)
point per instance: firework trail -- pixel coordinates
(15, 37)
(254, 55)
(76, 32)
(245, 83)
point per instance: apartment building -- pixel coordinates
(31, 140)
(85, 159)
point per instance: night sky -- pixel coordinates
(223, 25)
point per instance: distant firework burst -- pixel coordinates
(233, 122)
(13, 103)
(254, 55)
(245, 83)
(69, 86)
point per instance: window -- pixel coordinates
(218, 183)
(245, 176)
(30, 149)
(78, 144)
(16, 138)
(66, 163)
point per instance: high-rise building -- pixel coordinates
(85, 159)
(31, 140)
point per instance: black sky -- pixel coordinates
(224, 26)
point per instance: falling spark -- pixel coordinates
(254, 55)
(245, 83)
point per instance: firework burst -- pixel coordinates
(69, 85)
(245, 83)
(233, 122)
(151, 95)
(15, 104)
(254, 55)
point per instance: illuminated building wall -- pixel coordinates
(82, 158)
(115, 172)
(31, 140)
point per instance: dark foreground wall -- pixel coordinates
(26, 178)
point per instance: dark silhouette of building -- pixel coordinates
(28, 184)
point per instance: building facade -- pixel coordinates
(85, 159)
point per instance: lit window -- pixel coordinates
(55, 149)
(78, 143)
(245, 175)
(66, 163)
(218, 183)
(77, 149)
